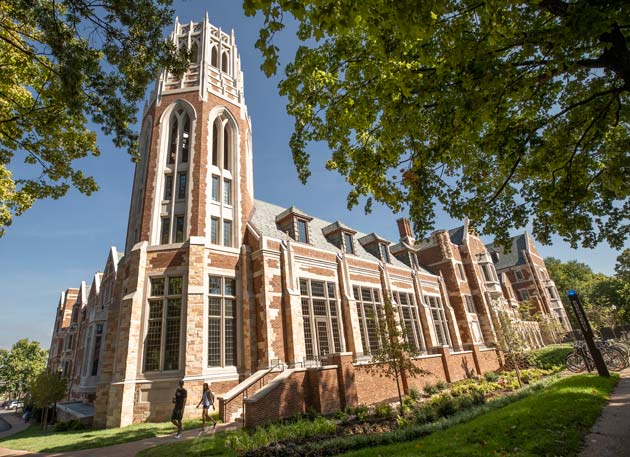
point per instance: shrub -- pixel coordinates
(384, 411)
(361, 412)
(441, 385)
(550, 357)
(444, 405)
(342, 416)
(71, 425)
(491, 376)
(415, 394)
(430, 389)
(242, 440)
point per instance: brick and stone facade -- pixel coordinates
(215, 286)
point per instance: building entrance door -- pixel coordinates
(323, 338)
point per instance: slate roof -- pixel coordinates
(263, 219)
(514, 256)
(457, 235)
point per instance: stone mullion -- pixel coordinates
(350, 319)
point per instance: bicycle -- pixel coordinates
(581, 359)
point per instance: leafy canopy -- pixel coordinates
(606, 299)
(20, 366)
(64, 63)
(499, 110)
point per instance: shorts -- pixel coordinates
(177, 414)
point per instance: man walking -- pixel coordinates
(178, 410)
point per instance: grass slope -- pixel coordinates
(34, 439)
(213, 445)
(552, 422)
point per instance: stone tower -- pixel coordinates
(177, 310)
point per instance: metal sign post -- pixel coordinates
(585, 326)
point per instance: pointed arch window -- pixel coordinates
(222, 229)
(226, 148)
(175, 177)
(225, 58)
(214, 57)
(215, 149)
(194, 53)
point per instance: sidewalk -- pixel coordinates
(122, 450)
(14, 420)
(610, 436)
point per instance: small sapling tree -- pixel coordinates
(47, 388)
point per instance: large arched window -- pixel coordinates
(174, 186)
(221, 229)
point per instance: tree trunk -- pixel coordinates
(518, 371)
(399, 394)
(46, 418)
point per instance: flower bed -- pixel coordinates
(421, 414)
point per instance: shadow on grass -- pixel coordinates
(36, 440)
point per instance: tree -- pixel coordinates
(394, 357)
(20, 365)
(47, 388)
(511, 342)
(64, 63)
(498, 110)
(606, 299)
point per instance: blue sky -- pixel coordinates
(59, 243)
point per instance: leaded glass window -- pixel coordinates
(163, 338)
(440, 323)
(221, 321)
(322, 332)
(410, 319)
(370, 311)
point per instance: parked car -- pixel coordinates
(16, 404)
(5, 404)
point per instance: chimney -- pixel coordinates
(404, 229)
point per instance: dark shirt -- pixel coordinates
(180, 398)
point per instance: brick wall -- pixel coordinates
(283, 397)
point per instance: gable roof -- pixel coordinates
(512, 257)
(263, 219)
(457, 235)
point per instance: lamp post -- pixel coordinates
(585, 326)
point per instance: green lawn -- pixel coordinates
(552, 422)
(34, 439)
(212, 445)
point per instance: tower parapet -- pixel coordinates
(215, 64)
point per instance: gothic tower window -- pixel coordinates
(225, 58)
(175, 178)
(194, 52)
(222, 186)
(214, 57)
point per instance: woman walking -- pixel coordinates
(207, 399)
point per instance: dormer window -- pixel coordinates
(384, 252)
(347, 243)
(302, 232)
(294, 223)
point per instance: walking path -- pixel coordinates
(610, 436)
(14, 421)
(122, 450)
